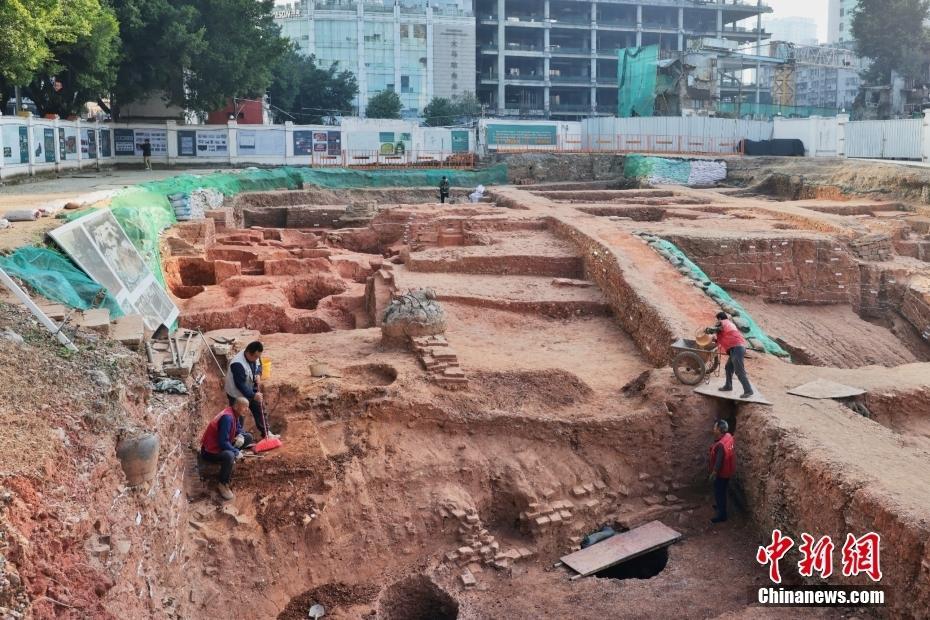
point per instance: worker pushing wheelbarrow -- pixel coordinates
(699, 357)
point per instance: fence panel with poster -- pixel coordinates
(99, 246)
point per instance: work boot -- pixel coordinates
(746, 395)
(718, 520)
(726, 388)
(225, 491)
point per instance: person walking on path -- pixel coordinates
(722, 467)
(730, 342)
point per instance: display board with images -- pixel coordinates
(89, 143)
(261, 142)
(15, 144)
(38, 145)
(318, 142)
(129, 141)
(99, 245)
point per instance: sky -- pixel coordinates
(815, 9)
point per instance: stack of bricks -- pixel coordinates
(874, 247)
(440, 361)
(479, 547)
(592, 500)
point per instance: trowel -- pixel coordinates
(316, 612)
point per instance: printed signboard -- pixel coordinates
(212, 142)
(99, 245)
(522, 135)
(261, 142)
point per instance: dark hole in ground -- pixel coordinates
(417, 598)
(645, 566)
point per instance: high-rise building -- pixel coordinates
(558, 58)
(840, 20)
(418, 50)
(798, 30)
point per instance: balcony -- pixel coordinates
(570, 22)
(488, 48)
(619, 24)
(534, 20)
(523, 47)
(606, 80)
(583, 80)
(558, 50)
(524, 78)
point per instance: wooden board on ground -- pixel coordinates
(620, 548)
(822, 389)
(755, 399)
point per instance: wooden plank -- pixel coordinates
(822, 389)
(620, 548)
(756, 399)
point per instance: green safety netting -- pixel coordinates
(636, 80)
(54, 276)
(646, 167)
(756, 336)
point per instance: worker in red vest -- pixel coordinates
(722, 467)
(730, 342)
(223, 441)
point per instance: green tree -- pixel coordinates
(385, 104)
(242, 46)
(467, 105)
(196, 53)
(439, 111)
(26, 28)
(79, 71)
(160, 41)
(892, 34)
(308, 93)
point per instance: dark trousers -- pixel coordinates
(737, 364)
(226, 459)
(256, 408)
(720, 496)
(442, 197)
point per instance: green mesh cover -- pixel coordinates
(636, 79)
(55, 277)
(757, 337)
(670, 170)
(770, 110)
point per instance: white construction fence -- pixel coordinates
(33, 145)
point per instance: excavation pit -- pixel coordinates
(645, 566)
(417, 598)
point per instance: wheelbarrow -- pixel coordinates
(695, 358)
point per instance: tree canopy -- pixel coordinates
(308, 93)
(441, 111)
(385, 104)
(892, 34)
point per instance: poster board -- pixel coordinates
(124, 141)
(99, 245)
(460, 141)
(268, 142)
(48, 138)
(89, 143)
(38, 144)
(71, 143)
(394, 143)
(105, 143)
(187, 144)
(303, 142)
(212, 142)
(522, 135)
(15, 145)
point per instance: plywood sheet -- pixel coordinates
(822, 389)
(620, 548)
(757, 398)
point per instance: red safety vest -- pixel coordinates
(729, 337)
(728, 468)
(210, 442)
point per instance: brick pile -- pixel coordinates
(479, 547)
(440, 361)
(874, 247)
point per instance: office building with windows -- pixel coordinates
(417, 50)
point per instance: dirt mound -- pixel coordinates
(551, 388)
(330, 596)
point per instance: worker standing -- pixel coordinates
(443, 189)
(242, 381)
(722, 467)
(146, 148)
(730, 342)
(223, 441)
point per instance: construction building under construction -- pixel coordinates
(559, 58)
